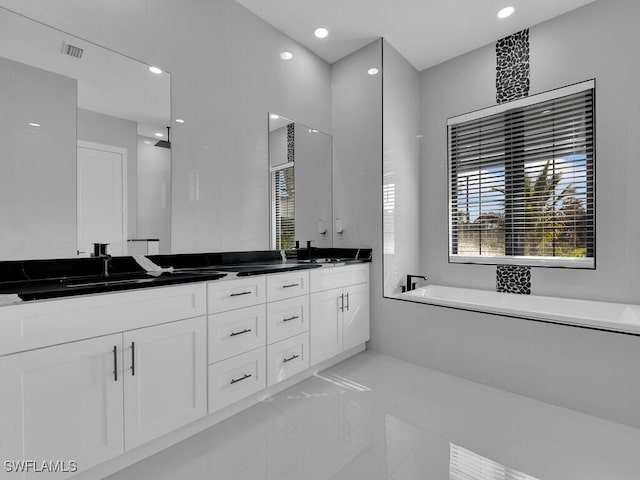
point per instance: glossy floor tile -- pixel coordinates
(373, 417)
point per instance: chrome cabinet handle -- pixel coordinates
(240, 293)
(285, 360)
(347, 301)
(246, 330)
(291, 285)
(236, 380)
(115, 363)
(341, 303)
(133, 359)
(290, 318)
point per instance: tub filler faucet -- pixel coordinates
(410, 285)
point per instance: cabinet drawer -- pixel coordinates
(49, 322)
(235, 332)
(231, 294)
(287, 285)
(286, 358)
(238, 377)
(327, 278)
(287, 318)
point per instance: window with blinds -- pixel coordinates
(521, 181)
(467, 465)
(284, 202)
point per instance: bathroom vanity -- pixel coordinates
(89, 377)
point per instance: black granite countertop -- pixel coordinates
(45, 279)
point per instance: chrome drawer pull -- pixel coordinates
(236, 380)
(133, 359)
(285, 360)
(115, 364)
(291, 285)
(290, 318)
(240, 293)
(246, 330)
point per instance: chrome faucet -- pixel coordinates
(410, 285)
(100, 251)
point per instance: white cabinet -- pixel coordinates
(235, 332)
(237, 293)
(287, 285)
(165, 378)
(287, 357)
(355, 315)
(339, 316)
(63, 402)
(237, 377)
(287, 318)
(326, 325)
(90, 400)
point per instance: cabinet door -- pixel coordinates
(356, 315)
(165, 378)
(63, 403)
(325, 324)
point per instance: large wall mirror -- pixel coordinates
(300, 170)
(85, 151)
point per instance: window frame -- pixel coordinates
(588, 262)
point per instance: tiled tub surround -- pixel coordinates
(513, 279)
(617, 317)
(108, 379)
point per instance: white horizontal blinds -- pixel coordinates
(285, 207)
(522, 181)
(467, 465)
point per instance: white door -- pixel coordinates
(325, 325)
(63, 403)
(101, 198)
(165, 375)
(356, 315)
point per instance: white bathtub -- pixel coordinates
(603, 315)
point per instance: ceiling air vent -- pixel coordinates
(72, 50)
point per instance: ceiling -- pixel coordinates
(107, 82)
(425, 32)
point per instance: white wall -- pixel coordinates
(109, 130)
(401, 169)
(37, 164)
(357, 141)
(590, 371)
(278, 146)
(154, 193)
(226, 75)
(313, 175)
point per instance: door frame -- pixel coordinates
(111, 149)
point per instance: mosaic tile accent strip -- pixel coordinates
(512, 70)
(291, 142)
(513, 279)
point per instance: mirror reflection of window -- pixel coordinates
(300, 174)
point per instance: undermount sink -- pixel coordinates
(106, 283)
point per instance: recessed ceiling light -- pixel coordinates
(31, 124)
(148, 142)
(506, 12)
(273, 116)
(159, 135)
(286, 55)
(373, 71)
(155, 70)
(179, 120)
(321, 32)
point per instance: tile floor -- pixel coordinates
(374, 417)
